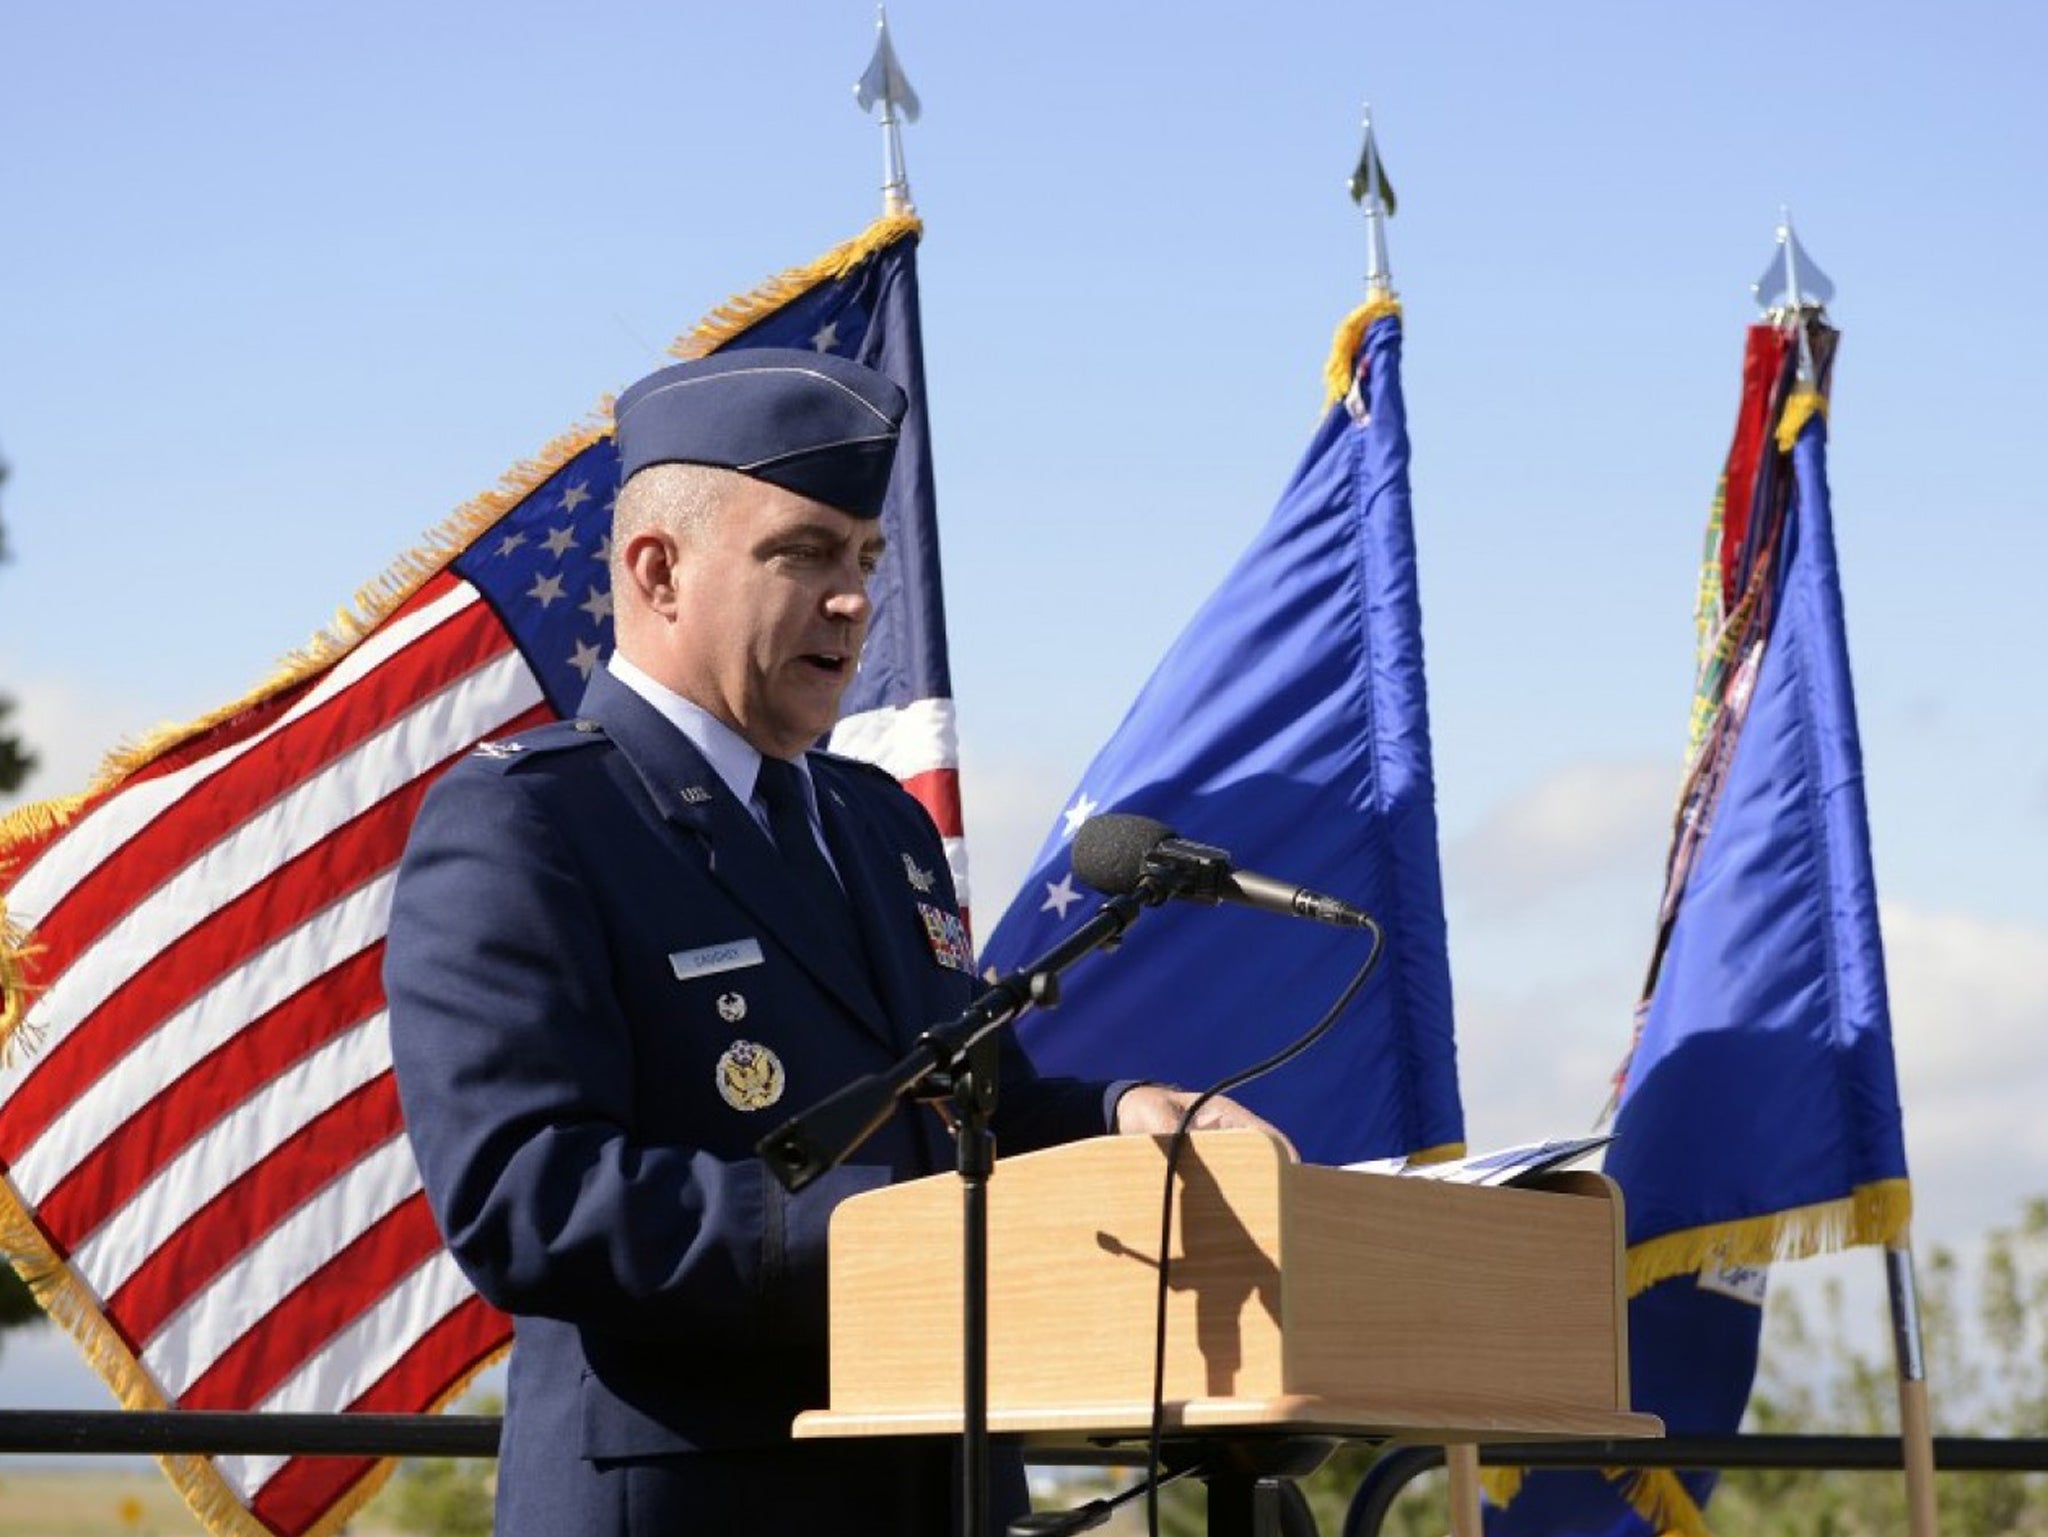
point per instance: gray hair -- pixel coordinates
(679, 498)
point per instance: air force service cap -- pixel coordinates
(815, 424)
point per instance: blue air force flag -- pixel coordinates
(1289, 724)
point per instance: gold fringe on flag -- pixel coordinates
(1502, 1484)
(1338, 372)
(744, 311)
(23, 824)
(1443, 1152)
(16, 991)
(1655, 1494)
(63, 1296)
(441, 544)
(1660, 1499)
(373, 604)
(1877, 1213)
(73, 1307)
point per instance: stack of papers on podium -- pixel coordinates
(1503, 1166)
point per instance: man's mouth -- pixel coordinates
(833, 663)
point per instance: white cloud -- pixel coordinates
(1588, 822)
(1008, 806)
(45, 1369)
(1970, 1032)
(1969, 996)
(69, 727)
(1536, 1060)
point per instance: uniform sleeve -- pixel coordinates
(516, 1073)
(1034, 1112)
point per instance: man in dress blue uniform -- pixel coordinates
(618, 940)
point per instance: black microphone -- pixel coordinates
(1117, 852)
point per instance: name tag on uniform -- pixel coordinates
(712, 959)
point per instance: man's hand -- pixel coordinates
(1153, 1109)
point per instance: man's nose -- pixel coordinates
(850, 601)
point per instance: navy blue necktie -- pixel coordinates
(781, 789)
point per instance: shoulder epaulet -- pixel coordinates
(508, 753)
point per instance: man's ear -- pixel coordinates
(649, 565)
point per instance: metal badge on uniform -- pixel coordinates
(694, 795)
(732, 1007)
(498, 749)
(712, 959)
(921, 880)
(749, 1076)
(948, 936)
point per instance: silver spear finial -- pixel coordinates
(1373, 193)
(1793, 290)
(885, 82)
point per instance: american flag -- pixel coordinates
(202, 1167)
(898, 713)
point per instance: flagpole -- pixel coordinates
(1375, 198)
(1794, 291)
(895, 181)
(884, 82)
(1916, 1420)
(1461, 1462)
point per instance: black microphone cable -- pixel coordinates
(1085, 1518)
(1173, 1151)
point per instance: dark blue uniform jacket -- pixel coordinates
(559, 1079)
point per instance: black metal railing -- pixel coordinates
(1396, 1468)
(137, 1432)
(116, 1432)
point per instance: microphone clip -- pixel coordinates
(1179, 867)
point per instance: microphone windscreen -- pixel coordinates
(1110, 850)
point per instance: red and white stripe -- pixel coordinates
(205, 1127)
(919, 745)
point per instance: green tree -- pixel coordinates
(17, 1306)
(1986, 1332)
(15, 761)
(442, 1496)
(1423, 1509)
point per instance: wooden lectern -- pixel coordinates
(1304, 1300)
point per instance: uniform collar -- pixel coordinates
(735, 760)
(737, 850)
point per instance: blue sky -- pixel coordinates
(283, 286)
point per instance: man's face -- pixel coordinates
(771, 607)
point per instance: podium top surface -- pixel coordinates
(1096, 1422)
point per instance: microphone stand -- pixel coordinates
(938, 1067)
